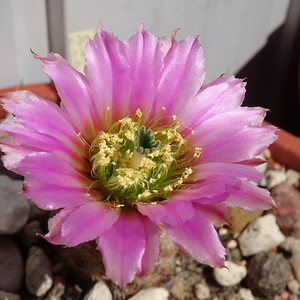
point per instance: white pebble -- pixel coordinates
(294, 286)
(291, 244)
(275, 177)
(153, 293)
(100, 291)
(246, 294)
(293, 177)
(202, 291)
(260, 235)
(231, 276)
(231, 244)
(263, 167)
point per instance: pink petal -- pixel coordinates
(155, 212)
(151, 254)
(182, 76)
(237, 141)
(249, 197)
(13, 155)
(254, 162)
(108, 72)
(145, 59)
(199, 240)
(74, 91)
(171, 212)
(223, 94)
(215, 212)
(36, 142)
(123, 248)
(53, 196)
(88, 222)
(203, 171)
(48, 168)
(54, 235)
(207, 189)
(242, 145)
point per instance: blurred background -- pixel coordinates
(257, 40)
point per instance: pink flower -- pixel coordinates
(135, 144)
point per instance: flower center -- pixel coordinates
(139, 165)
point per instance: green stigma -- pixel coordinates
(132, 164)
(144, 141)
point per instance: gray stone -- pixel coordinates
(28, 234)
(100, 291)
(202, 291)
(11, 265)
(275, 177)
(231, 275)
(9, 296)
(268, 274)
(38, 272)
(14, 206)
(261, 235)
(153, 293)
(37, 213)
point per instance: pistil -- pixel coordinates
(144, 143)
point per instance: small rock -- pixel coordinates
(39, 277)
(11, 265)
(37, 213)
(28, 234)
(100, 291)
(178, 290)
(235, 255)
(202, 291)
(262, 168)
(293, 297)
(263, 182)
(268, 274)
(293, 178)
(291, 244)
(240, 218)
(56, 292)
(14, 206)
(231, 244)
(153, 293)
(295, 263)
(262, 234)
(246, 294)
(294, 286)
(267, 154)
(59, 267)
(9, 296)
(274, 178)
(285, 295)
(287, 199)
(231, 276)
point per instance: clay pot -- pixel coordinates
(286, 149)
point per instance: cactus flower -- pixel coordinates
(137, 143)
